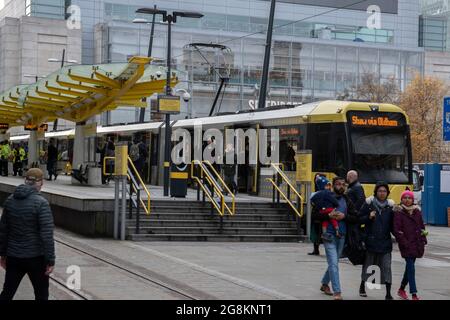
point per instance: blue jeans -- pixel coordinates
(410, 275)
(333, 250)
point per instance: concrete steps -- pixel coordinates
(193, 221)
(213, 222)
(214, 238)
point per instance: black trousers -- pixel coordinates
(4, 167)
(16, 268)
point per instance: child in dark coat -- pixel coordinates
(326, 202)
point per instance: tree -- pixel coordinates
(422, 101)
(373, 90)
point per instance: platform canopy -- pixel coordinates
(78, 92)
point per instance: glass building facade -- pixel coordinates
(318, 51)
(433, 33)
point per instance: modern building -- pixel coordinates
(27, 44)
(320, 48)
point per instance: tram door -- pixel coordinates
(248, 171)
(153, 153)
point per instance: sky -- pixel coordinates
(2, 3)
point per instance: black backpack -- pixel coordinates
(355, 249)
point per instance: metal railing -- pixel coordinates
(144, 187)
(279, 178)
(207, 179)
(136, 185)
(224, 186)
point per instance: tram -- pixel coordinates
(372, 138)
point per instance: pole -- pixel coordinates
(116, 207)
(150, 47)
(55, 123)
(152, 33)
(308, 208)
(167, 131)
(124, 208)
(263, 91)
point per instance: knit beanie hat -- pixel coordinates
(407, 193)
(321, 183)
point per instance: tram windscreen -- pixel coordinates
(380, 149)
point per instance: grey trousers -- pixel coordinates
(381, 260)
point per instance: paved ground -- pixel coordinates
(227, 270)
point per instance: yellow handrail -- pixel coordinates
(147, 210)
(233, 200)
(285, 179)
(213, 183)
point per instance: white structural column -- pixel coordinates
(78, 148)
(33, 155)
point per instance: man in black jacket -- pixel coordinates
(334, 245)
(355, 190)
(26, 238)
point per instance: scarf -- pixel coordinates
(410, 209)
(379, 206)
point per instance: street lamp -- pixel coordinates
(55, 123)
(169, 18)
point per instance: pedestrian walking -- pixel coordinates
(138, 154)
(410, 233)
(52, 158)
(5, 154)
(320, 181)
(26, 238)
(355, 191)
(377, 214)
(229, 168)
(345, 214)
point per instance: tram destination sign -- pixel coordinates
(30, 127)
(381, 119)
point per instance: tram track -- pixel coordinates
(181, 294)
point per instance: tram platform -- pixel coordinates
(89, 211)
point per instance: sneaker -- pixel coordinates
(326, 289)
(388, 297)
(402, 294)
(328, 237)
(337, 296)
(415, 297)
(314, 253)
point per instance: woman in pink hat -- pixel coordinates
(409, 230)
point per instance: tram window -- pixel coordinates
(381, 155)
(290, 142)
(328, 144)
